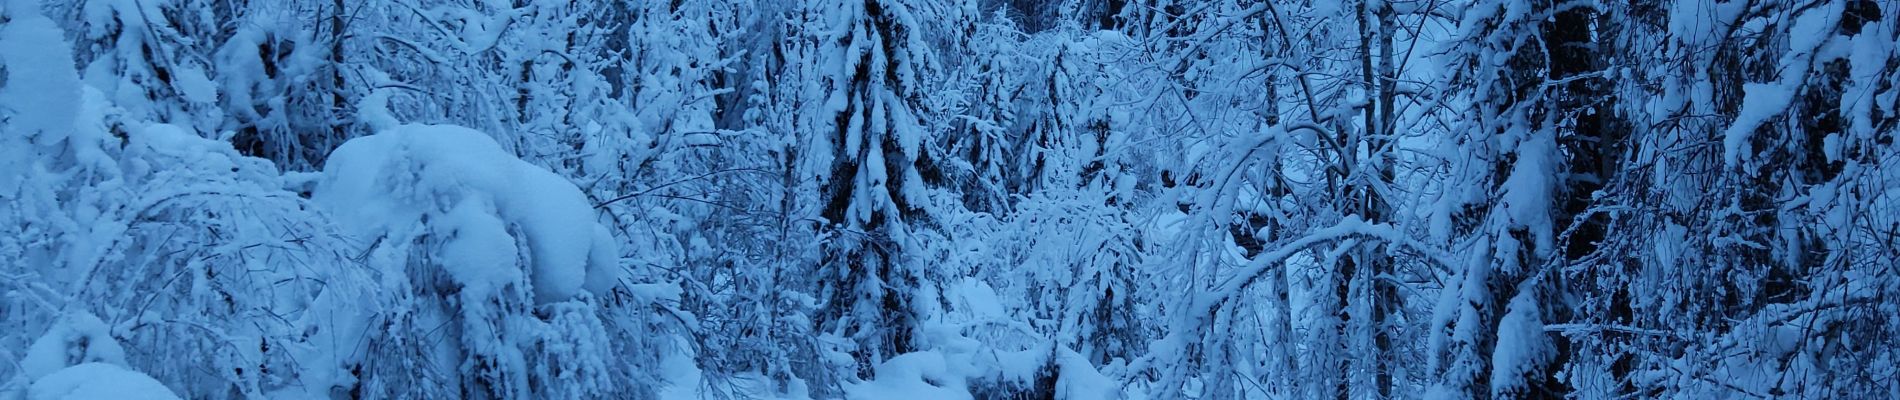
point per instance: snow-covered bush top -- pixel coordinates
(458, 183)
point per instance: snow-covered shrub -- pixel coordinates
(489, 266)
(209, 261)
(193, 253)
(458, 185)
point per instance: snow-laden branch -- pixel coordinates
(1352, 226)
(1202, 304)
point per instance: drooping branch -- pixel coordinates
(1352, 226)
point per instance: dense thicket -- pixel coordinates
(1077, 199)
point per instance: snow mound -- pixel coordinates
(78, 358)
(481, 201)
(98, 381)
(1080, 380)
(77, 338)
(923, 375)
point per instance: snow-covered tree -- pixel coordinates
(1739, 222)
(865, 154)
(873, 199)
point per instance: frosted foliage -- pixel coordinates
(951, 199)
